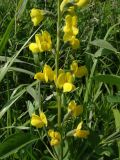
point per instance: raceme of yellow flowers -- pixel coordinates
(70, 31)
(65, 80)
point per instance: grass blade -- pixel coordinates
(15, 142)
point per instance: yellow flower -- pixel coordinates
(74, 66)
(44, 41)
(81, 3)
(48, 73)
(68, 87)
(81, 133)
(39, 121)
(71, 25)
(75, 109)
(61, 80)
(34, 47)
(39, 76)
(67, 37)
(37, 16)
(70, 31)
(69, 77)
(55, 137)
(64, 81)
(75, 43)
(78, 71)
(71, 10)
(63, 4)
(81, 72)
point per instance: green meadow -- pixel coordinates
(60, 79)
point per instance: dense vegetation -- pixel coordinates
(98, 91)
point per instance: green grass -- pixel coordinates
(99, 50)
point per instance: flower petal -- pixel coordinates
(39, 76)
(68, 87)
(43, 118)
(36, 121)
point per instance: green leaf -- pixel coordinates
(30, 107)
(4, 40)
(6, 35)
(11, 102)
(117, 118)
(15, 142)
(111, 79)
(103, 44)
(14, 99)
(21, 7)
(10, 61)
(22, 71)
(113, 99)
(117, 124)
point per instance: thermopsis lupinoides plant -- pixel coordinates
(62, 80)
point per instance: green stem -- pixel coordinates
(9, 130)
(57, 63)
(57, 69)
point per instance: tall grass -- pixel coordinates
(99, 93)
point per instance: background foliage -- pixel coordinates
(18, 89)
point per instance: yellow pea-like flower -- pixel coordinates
(44, 41)
(81, 72)
(69, 77)
(48, 73)
(75, 109)
(47, 40)
(63, 4)
(34, 47)
(67, 37)
(39, 40)
(68, 87)
(81, 3)
(74, 66)
(51, 133)
(71, 10)
(39, 76)
(55, 137)
(39, 121)
(75, 43)
(78, 71)
(81, 133)
(61, 80)
(70, 31)
(54, 142)
(37, 16)
(71, 25)
(44, 119)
